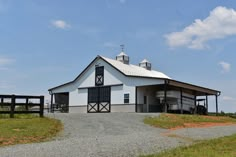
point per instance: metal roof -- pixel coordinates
(145, 61)
(134, 70)
(122, 54)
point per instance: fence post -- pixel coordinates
(2, 102)
(13, 100)
(26, 105)
(41, 106)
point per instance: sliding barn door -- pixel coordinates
(99, 99)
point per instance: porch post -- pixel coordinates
(216, 104)
(136, 93)
(165, 103)
(51, 106)
(181, 100)
(195, 103)
(206, 104)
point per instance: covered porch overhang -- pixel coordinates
(59, 102)
(184, 89)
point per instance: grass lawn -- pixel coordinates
(221, 147)
(169, 121)
(27, 129)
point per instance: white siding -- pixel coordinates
(131, 91)
(140, 81)
(78, 97)
(117, 95)
(111, 76)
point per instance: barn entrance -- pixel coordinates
(61, 102)
(99, 99)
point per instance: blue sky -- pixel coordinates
(46, 43)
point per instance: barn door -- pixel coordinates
(99, 99)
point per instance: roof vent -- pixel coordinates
(145, 64)
(122, 57)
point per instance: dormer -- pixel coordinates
(145, 64)
(122, 57)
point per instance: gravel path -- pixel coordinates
(110, 134)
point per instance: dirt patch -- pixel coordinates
(195, 125)
(201, 125)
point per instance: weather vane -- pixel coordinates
(122, 47)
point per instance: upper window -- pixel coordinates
(99, 76)
(126, 98)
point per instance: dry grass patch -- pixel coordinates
(27, 130)
(170, 121)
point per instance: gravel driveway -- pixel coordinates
(110, 134)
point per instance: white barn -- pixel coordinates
(115, 85)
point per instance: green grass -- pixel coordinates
(168, 121)
(221, 147)
(27, 129)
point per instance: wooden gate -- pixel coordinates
(99, 99)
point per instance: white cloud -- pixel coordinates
(60, 24)
(225, 66)
(219, 24)
(228, 98)
(5, 61)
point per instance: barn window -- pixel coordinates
(126, 98)
(99, 76)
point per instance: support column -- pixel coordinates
(195, 103)
(216, 104)
(51, 106)
(136, 98)
(206, 104)
(181, 100)
(165, 103)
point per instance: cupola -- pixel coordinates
(122, 57)
(145, 64)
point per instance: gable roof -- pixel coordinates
(128, 70)
(134, 70)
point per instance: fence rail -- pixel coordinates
(11, 101)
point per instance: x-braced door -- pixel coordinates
(99, 99)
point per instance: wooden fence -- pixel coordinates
(23, 102)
